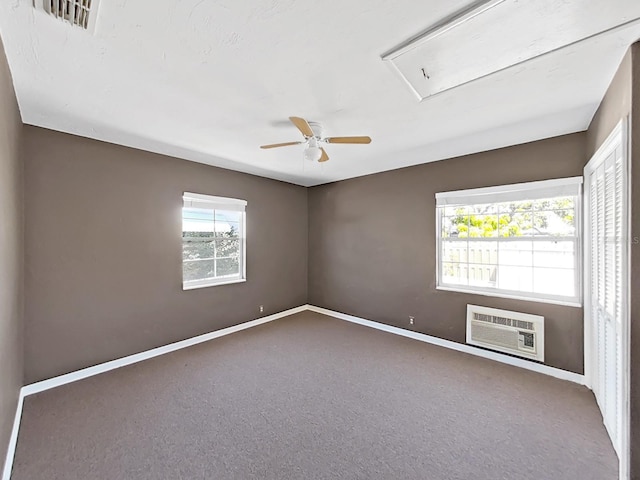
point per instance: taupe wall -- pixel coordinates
(372, 244)
(11, 256)
(615, 105)
(103, 259)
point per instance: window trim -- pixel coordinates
(478, 196)
(211, 282)
(556, 187)
(198, 200)
(508, 294)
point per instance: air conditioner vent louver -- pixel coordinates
(509, 322)
(80, 13)
(509, 332)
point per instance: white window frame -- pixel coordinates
(210, 202)
(516, 192)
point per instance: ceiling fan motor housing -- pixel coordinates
(318, 130)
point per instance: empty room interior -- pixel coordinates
(290, 239)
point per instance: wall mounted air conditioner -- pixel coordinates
(516, 333)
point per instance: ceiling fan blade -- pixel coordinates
(348, 140)
(276, 145)
(302, 125)
(324, 156)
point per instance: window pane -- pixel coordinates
(505, 226)
(558, 203)
(554, 281)
(514, 207)
(454, 273)
(554, 254)
(516, 223)
(194, 247)
(197, 220)
(483, 226)
(515, 278)
(227, 229)
(557, 223)
(483, 209)
(458, 227)
(455, 225)
(197, 236)
(482, 275)
(228, 216)
(483, 252)
(454, 251)
(198, 270)
(227, 248)
(455, 211)
(516, 253)
(228, 267)
(449, 227)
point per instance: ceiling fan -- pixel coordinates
(313, 136)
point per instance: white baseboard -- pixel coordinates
(13, 440)
(139, 357)
(460, 347)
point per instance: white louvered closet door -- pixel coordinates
(606, 290)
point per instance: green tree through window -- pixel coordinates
(515, 219)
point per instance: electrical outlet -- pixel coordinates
(261, 307)
(412, 320)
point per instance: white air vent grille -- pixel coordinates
(80, 13)
(509, 332)
(507, 322)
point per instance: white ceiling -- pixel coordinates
(211, 80)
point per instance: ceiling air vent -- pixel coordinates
(81, 13)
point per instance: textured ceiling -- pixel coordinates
(211, 80)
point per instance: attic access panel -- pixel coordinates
(492, 35)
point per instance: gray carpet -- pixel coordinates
(311, 397)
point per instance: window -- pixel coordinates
(213, 240)
(517, 241)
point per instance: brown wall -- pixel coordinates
(372, 244)
(11, 256)
(103, 258)
(615, 105)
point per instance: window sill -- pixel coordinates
(565, 303)
(213, 284)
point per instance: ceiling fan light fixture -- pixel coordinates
(313, 154)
